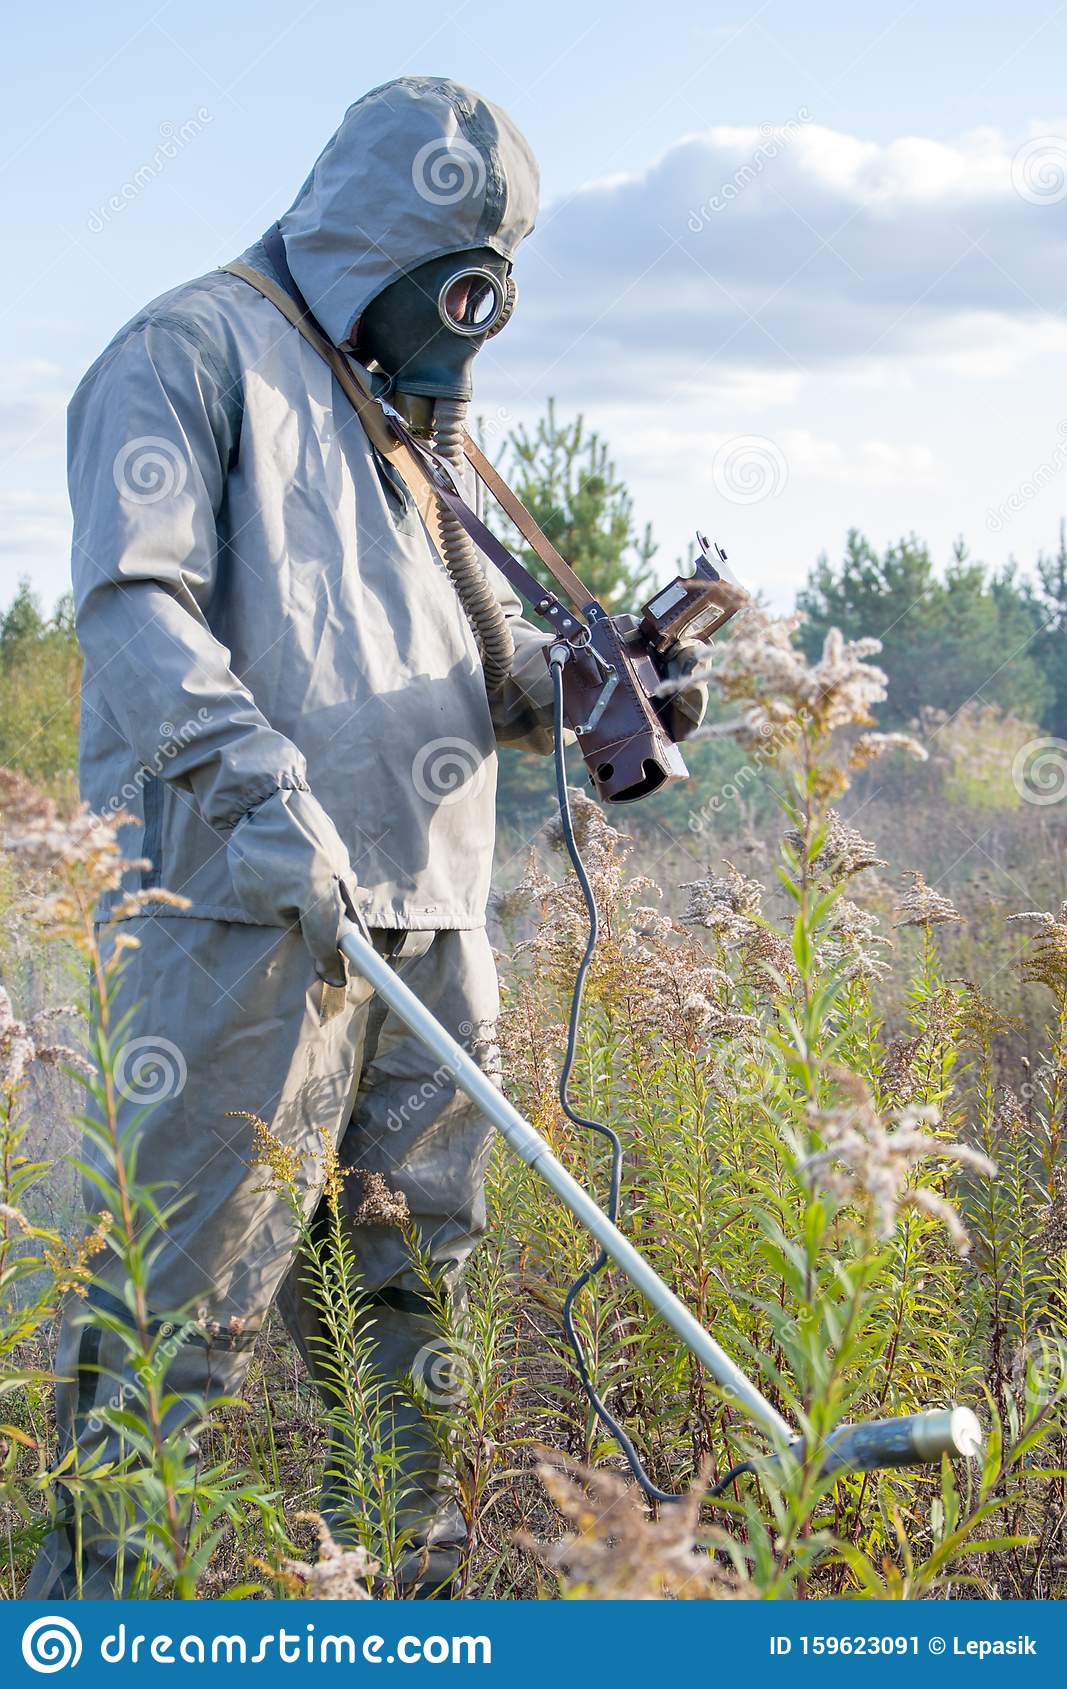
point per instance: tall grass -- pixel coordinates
(137, 1485)
(811, 1104)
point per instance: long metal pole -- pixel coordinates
(532, 1148)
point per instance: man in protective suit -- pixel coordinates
(305, 694)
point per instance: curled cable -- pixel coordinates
(596, 1401)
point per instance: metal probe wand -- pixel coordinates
(920, 1437)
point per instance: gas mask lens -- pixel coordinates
(475, 302)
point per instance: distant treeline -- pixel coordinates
(949, 637)
(969, 633)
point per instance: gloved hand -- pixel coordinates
(288, 865)
(688, 707)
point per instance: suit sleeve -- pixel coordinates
(522, 707)
(152, 430)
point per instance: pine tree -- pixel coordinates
(1050, 646)
(970, 633)
(565, 477)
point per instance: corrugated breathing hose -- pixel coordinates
(480, 603)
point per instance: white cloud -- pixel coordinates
(34, 524)
(891, 318)
(795, 249)
(870, 463)
(34, 513)
(33, 402)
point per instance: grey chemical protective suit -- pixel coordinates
(282, 686)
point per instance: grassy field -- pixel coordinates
(818, 1027)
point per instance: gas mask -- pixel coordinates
(422, 332)
(419, 338)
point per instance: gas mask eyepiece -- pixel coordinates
(476, 302)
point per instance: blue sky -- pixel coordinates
(802, 265)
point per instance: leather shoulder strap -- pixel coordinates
(535, 536)
(415, 476)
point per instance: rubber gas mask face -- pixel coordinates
(423, 331)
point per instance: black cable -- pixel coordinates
(596, 1402)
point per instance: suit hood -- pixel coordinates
(419, 167)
